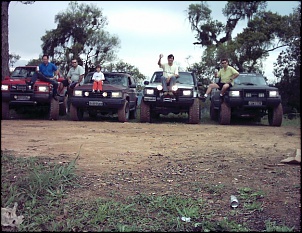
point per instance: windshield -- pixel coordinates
(184, 78)
(23, 72)
(250, 79)
(114, 79)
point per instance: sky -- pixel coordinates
(145, 29)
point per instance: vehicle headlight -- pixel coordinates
(174, 88)
(149, 91)
(77, 93)
(273, 94)
(159, 87)
(187, 92)
(43, 88)
(116, 94)
(234, 94)
(4, 87)
(105, 94)
(86, 93)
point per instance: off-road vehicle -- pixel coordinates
(19, 96)
(250, 97)
(183, 99)
(117, 97)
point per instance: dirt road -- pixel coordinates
(161, 157)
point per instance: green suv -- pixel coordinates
(250, 97)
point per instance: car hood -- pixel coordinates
(253, 87)
(15, 81)
(106, 87)
(180, 85)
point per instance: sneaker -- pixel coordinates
(165, 93)
(93, 91)
(98, 91)
(170, 93)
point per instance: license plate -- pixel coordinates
(95, 103)
(23, 97)
(257, 103)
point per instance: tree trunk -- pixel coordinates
(4, 39)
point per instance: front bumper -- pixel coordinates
(168, 101)
(252, 103)
(26, 98)
(97, 103)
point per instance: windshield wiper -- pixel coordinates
(19, 76)
(252, 84)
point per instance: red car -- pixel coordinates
(17, 95)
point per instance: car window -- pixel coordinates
(185, 78)
(117, 79)
(88, 78)
(20, 72)
(250, 79)
(156, 77)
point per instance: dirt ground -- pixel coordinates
(207, 161)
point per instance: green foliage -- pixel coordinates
(273, 227)
(287, 68)
(265, 31)
(80, 34)
(13, 58)
(46, 192)
(127, 68)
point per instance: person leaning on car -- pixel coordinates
(170, 73)
(75, 76)
(226, 76)
(47, 72)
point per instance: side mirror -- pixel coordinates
(146, 82)
(133, 86)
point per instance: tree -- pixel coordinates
(288, 64)
(13, 58)
(127, 68)
(247, 50)
(4, 37)
(80, 34)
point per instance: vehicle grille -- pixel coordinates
(254, 93)
(20, 88)
(99, 94)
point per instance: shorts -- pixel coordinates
(221, 85)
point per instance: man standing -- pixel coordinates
(226, 76)
(170, 73)
(47, 72)
(75, 76)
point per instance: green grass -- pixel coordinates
(42, 190)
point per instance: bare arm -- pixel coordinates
(159, 60)
(81, 78)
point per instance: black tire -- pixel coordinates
(54, 109)
(145, 115)
(5, 111)
(123, 113)
(63, 107)
(194, 112)
(133, 113)
(275, 116)
(76, 114)
(225, 114)
(214, 113)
